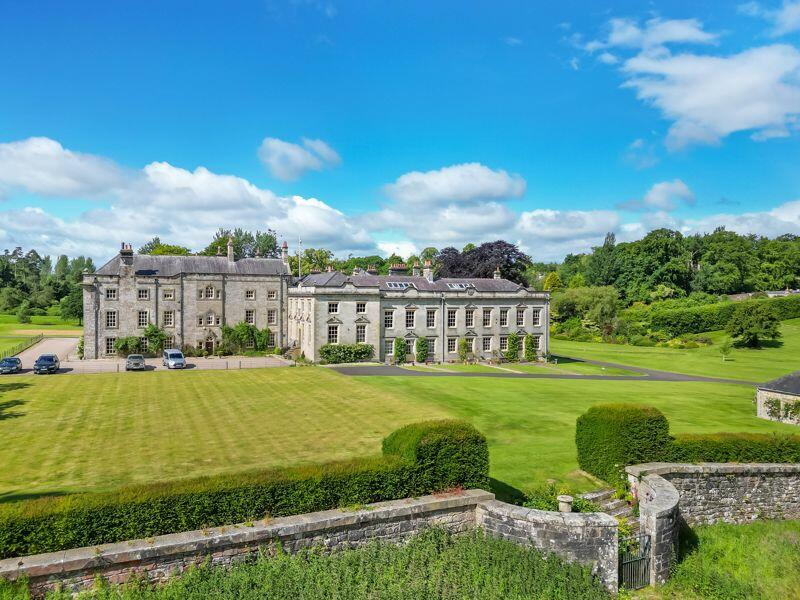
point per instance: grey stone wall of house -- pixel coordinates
(672, 495)
(588, 539)
(773, 406)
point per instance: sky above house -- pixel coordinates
(380, 126)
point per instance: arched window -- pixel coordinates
(209, 292)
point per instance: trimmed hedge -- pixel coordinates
(417, 460)
(611, 436)
(713, 317)
(345, 353)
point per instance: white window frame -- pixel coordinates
(537, 317)
(469, 317)
(250, 316)
(168, 294)
(110, 341)
(144, 344)
(210, 320)
(271, 339)
(361, 308)
(503, 343)
(486, 317)
(272, 316)
(143, 294)
(334, 330)
(139, 314)
(486, 344)
(411, 319)
(388, 346)
(200, 320)
(452, 317)
(503, 317)
(333, 308)
(208, 294)
(388, 319)
(361, 333)
(272, 294)
(112, 294)
(520, 317)
(116, 319)
(452, 345)
(170, 341)
(430, 318)
(250, 295)
(168, 318)
(431, 345)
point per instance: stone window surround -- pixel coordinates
(333, 334)
(452, 316)
(486, 344)
(410, 318)
(361, 333)
(333, 308)
(487, 317)
(141, 323)
(112, 313)
(168, 318)
(452, 345)
(250, 316)
(250, 295)
(168, 294)
(503, 343)
(537, 317)
(430, 318)
(388, 319)
(272, 316)
(109, 349)
(388, 346)
(504, 317)
(520, 317)
(143, 294)
(112, 294)
(469, 317)
(361, 308)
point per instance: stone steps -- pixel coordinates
(615, 507)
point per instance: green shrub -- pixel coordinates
(612, 436)
(433, 565)
(450, 452)
(734, 447)
(464, 349)
(545, 497)
(530, 351)
(127, 345)
(400, 349)
(417, 460)
(346, 353)
(422, 350)
(512, 354)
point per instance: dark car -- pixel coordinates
(10, 365)
(134, 362)
(46, 363)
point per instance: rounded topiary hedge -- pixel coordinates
(611, 436)
(417, 460)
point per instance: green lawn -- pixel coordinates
(757, 560)
(744, 363)
(80, 432)
(53, 326)
(569, 367)
(530, 423)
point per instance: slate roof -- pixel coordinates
(788, 384)
(336, 279)
(170, 266)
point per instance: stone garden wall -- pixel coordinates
(774, 406)
(671, 495)
(589, 539)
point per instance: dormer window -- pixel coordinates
(398, 285)
(459, 286)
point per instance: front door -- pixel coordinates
(210, 346)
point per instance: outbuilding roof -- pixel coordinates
(788, 384)
(170, 266)
(335, 279)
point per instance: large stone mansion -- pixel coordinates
(192, 297)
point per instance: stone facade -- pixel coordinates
(190, 297)
(372, 309)
(588, 539)
(672, 495)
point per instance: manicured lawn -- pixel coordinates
(48, 325)
(744, 363)
(530, 423)
(567, 366)
(757, 560)
(81, 432)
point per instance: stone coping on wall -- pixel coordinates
(207, 541)
(662, 468)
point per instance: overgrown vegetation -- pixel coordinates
(611, 436)
(417, 459)
(345, 353)
(545, 497)
(433, 565)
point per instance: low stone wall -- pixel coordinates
(671, 495)
(589, 539)
(775, 406)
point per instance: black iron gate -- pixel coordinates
(634, 562)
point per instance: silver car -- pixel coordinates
(134, 362)
(173, 359)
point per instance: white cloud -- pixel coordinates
(512, 41)
(785, 19)
(42, 166)
(709, 97)
(404, 249)
(664, 196)
(641, 154)
(461, 184)
(607, 58)
(288, 161)
(656, 32)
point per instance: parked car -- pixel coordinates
(134, 362)
(46, 363)
(10, 365)
(173, 359)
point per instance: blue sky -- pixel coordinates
(373, 126)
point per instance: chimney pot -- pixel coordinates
(231, 258)
(497, 274)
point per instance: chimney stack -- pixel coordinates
(371, 270)
(126, 254)
(398, 269)
(230, 250)
(415, 269)
(427, 272)
(285, 253)
(497, 274)
(329, 268)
